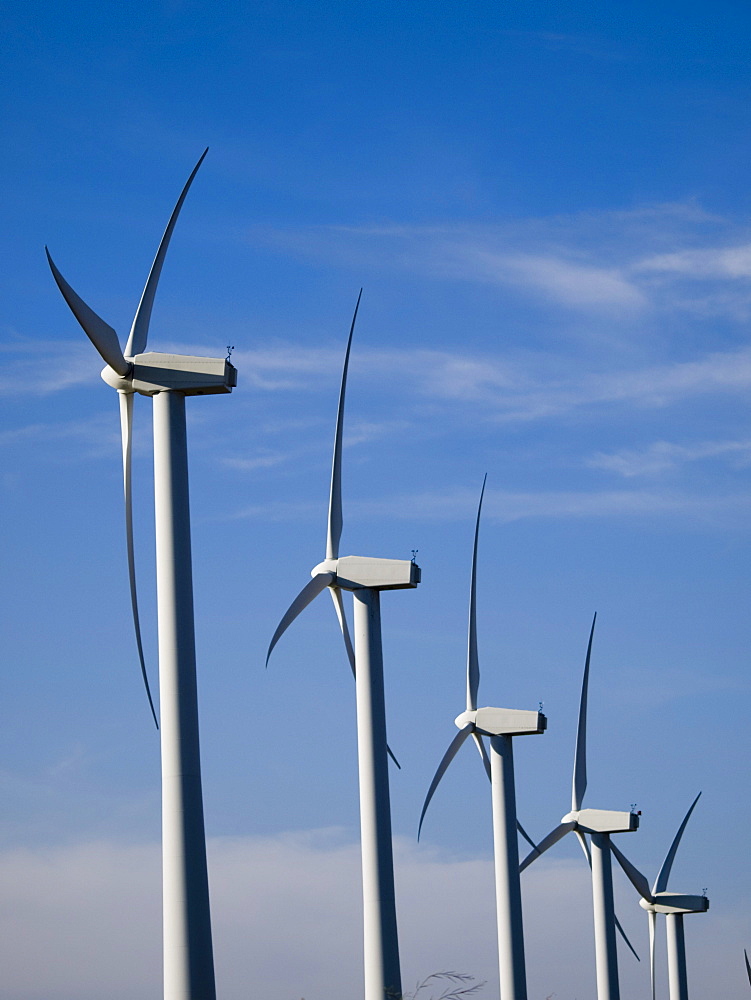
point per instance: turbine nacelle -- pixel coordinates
(602, 820)
(363, 572)
(153, 372)
(502, 722)
(674, 902)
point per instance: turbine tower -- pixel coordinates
(366, 577)
(599, 824)
(673, 905)
(500, 725)
(168, 378)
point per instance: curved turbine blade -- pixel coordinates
(579, 784)
(139, 332)
(126, 428)
(335, 493)
(661, 882)
(635, 877)
(101, 334)
(585, 847)
(748, 967)
(473, 663)
(483, 754)
(625, 937)
(552, 838)
(526, 836)
(447, 758)
(652, 928)
(311, 590)
(336, 597)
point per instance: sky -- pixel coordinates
(547, 207)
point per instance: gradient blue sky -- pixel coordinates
(547, 206)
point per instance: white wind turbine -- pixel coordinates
(168, 378)
(600, 824)
(673, 905)
(501, 725)
(366, 577)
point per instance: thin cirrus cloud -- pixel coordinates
(583, 261)
(720, 262)
(665, 456)
(507, 506)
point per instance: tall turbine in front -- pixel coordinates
(168, 378)
(501, 725)
(674, 905)
(599, 824)
(366, 577)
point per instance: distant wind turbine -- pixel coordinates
(366, 577)
(168, 378)
(600, 824)
(673, 905)
(501, 725)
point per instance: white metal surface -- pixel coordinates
(188, 957)
(511, 966)
(382, 972)
(677, 976)
(606, 956)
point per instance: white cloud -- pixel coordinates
(508, 506)
(40, 367)
(721, 262)
(663, 456)
(83, 921)
(566, 282)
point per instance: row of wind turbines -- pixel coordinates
(188, 951)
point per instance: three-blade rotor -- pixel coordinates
(107, 343)
(473, 685)
(640, 883)
(324, 575)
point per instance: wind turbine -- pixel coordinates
(168, 378)
(501, 725)
(673, 905)
(366, 577)
(599, 824)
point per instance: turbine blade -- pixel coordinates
(336, 597)
(335, 493)
(447, 758)
(311, 590)
(101, 334)
(473, 663)
(126, 428)
(579, 784)
(652, 928)
(552, 838)
(585, 847)
(661, 882)
(748, 967)
(483, 754)
(625, 937)
(526, 836)
(635, 877)
(139, 332)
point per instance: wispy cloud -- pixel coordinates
(39, 368)
(663, 456)
(716, 262)
(508, 506)
(604, 262)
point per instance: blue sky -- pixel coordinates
(548, 210)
